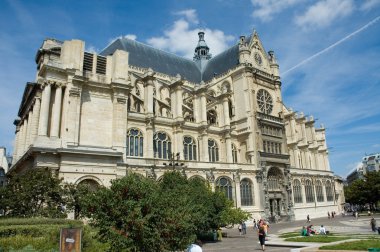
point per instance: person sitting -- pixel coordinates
(322, 230)
(310, 231)
(303, 231)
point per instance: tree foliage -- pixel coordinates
(363, 191)
(139, 214)
(35, 193)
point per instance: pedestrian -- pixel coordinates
(244, 227)
(308, 218)
(266, 227)
(240, 228)
(261, 233)
(328, 215)
(254, 224)
(373, 224)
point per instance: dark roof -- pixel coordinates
(221, 63)
(145, 56)
(142, 55)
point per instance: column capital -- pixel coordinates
(149, 77)
(177, 82)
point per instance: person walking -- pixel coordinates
(373, 224)
(254, 224)
(261, 233)
(240, 228)
(308, 219)
(244, 228)
(328, 215)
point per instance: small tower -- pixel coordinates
(244, 52)
(201, 54)
(273, 64)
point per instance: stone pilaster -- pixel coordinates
(237, 189)
(148, 143)
(44, 112)
(229, 149)
(226, 112)
(35, 119)
(73, 115)
(17, 143)
(56, 114)
(148, 94)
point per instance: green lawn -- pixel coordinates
(355, 245)
(317, 238)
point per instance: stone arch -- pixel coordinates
(212, 117)
(226, 87)
(224, 184)
(198, 177)
(90, 179)
(275, 177)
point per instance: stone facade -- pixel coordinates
(94, 118)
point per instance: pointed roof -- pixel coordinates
(142, 55)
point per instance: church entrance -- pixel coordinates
(275, 207)
(276, 194)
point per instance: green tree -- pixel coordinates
(37, 192)
(363, 191)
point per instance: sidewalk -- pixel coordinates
(249, 242)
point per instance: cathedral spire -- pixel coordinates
(201, 54)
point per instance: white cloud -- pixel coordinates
(181, 39)
(324, 12)
(353, 167)
(128, 36)
(369, 4)
(267, 8)
(92, 49)
(190, 15)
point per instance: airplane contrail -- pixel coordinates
(333, 45)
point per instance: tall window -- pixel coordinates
(213, 151)
(162, 146)
(309, 191)
(189, 148)
(135, 143)
(224, 185)
(297, 191)
(319, 191)
(274, 176)
(211, 117)
(329, 191)
(246, 192)
(234, 154)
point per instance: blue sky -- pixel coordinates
(328, 51)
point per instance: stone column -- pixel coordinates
(303, 192)
(204, 147)
(56, 115)
(226, 113)
(179, 101)
(178, 134)
(21, 140)
(16, 144)
(229, 149)
(324, 190)
(72, 121)
(119, 134)
(237, 190)
(28, 129)
(148, 94)
(44, 112)
(35, 119)
(203, 108)
(148, 141)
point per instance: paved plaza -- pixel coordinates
(249, 242)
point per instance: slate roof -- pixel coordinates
(145, 56)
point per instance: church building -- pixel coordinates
(132, 108)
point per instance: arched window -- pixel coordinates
(319, 191)
(246, 192)
(224, 185)
(309, 191)
(162, 146)
(211, 117)
(234, 154)
(135, 143)
(189, 148)
(213, 151)
(274, 176)
(231, 109)
(297, 191)
(329, 191)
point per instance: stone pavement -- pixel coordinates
(249, 242)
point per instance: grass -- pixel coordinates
(290, 234)
(355, 245)
(317, 238)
